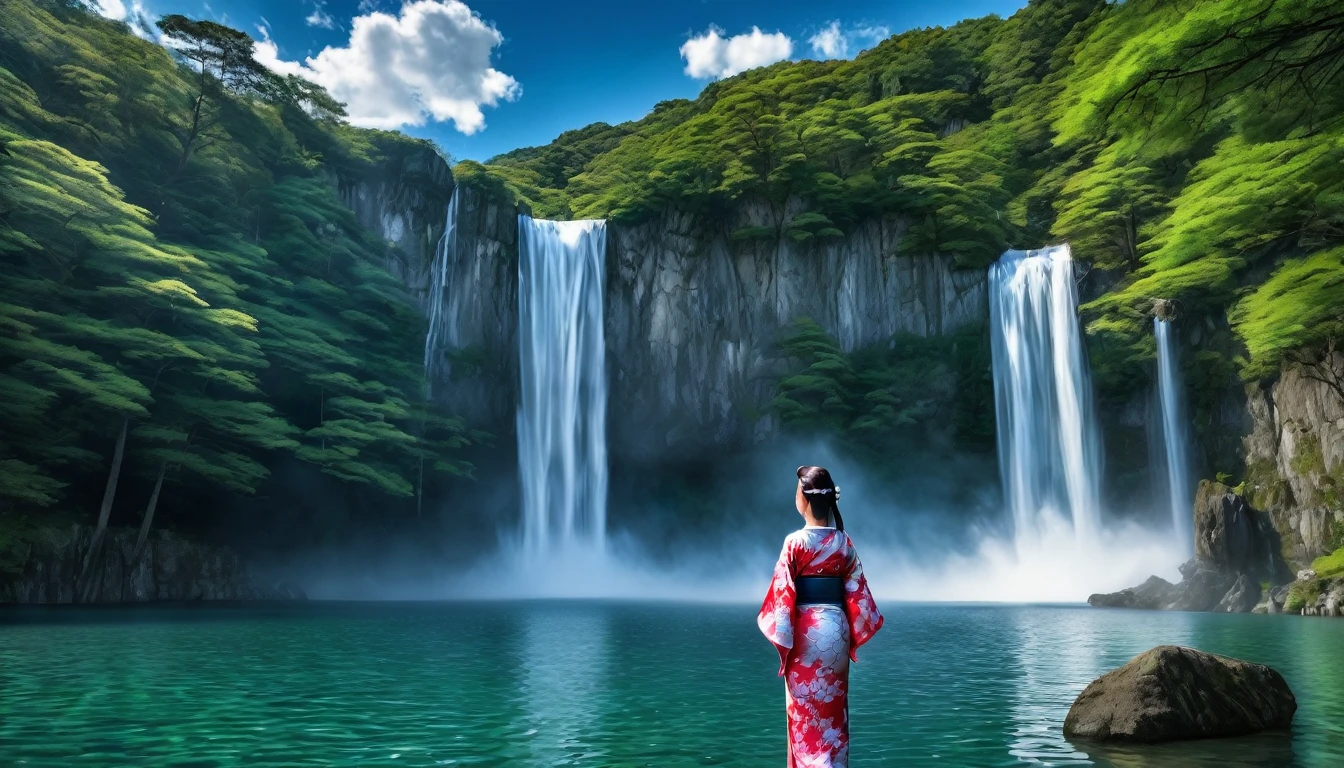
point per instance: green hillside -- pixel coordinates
(186, 303)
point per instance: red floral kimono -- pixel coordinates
(816, 643)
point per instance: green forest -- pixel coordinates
(189, 309)
(1191, 152)
(187, 305)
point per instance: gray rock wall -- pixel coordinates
(692, 319)
(1295, 460)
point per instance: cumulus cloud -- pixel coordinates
(834, 41)
(712, 55)
(830, 42)
(430, 61)
(319, 17)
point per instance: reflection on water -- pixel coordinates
(607, 685)
(564, 679)
(1050, 674)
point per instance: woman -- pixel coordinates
(817, 613)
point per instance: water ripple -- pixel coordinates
(602, 684)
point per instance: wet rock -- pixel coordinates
(1236, 548)
(1240, 598)
(1152, 594)
(1233, 538)
(1171, 693)
(1202, 588)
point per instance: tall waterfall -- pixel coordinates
(1049, 451)
(562, 413)
(1175, 436)
(440, 329)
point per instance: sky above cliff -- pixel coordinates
(486, 76)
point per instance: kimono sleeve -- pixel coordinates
(776, 617)
(864, 618)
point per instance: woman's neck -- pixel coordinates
(815, 523)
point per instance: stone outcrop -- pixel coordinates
(1295, 457)
(1171, 693)
(1236, 549)
(1232, 537)
(170, 568)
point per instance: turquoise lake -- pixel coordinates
(575, 683)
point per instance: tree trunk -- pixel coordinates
(420, 490)
(109, 493)
(148, 520)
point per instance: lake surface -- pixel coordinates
(602, 684)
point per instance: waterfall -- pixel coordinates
(440, 329)
(1049, 452)
(562, 412)
(1175, 436)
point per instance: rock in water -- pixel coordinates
(1171, 693)
(1152, 594)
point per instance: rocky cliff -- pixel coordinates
(170, 568)
(1295, 457)
(692, 317)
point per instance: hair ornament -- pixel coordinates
(822, 491)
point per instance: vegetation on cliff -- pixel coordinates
(187, 305)
(1191, 151)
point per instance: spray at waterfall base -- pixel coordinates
(1059, 547)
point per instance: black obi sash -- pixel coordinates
(820, 590)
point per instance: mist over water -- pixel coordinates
(928, 527)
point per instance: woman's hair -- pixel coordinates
(822, 494)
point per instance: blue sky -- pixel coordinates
(482, 77)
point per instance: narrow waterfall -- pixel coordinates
(440, 329)
(1175, 436)
(562, 412)
(1049, 451)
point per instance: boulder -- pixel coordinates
(1171, 693)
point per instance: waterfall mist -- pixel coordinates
(1175, 436)
(929, 524)
(562, 411)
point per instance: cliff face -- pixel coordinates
(692, 318)
(1295, 458)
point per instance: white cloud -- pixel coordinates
(830, 42)
(833, 41)
(135, 15)
(712, 55)
(431, 61)
(112, 9)
(319, 17)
